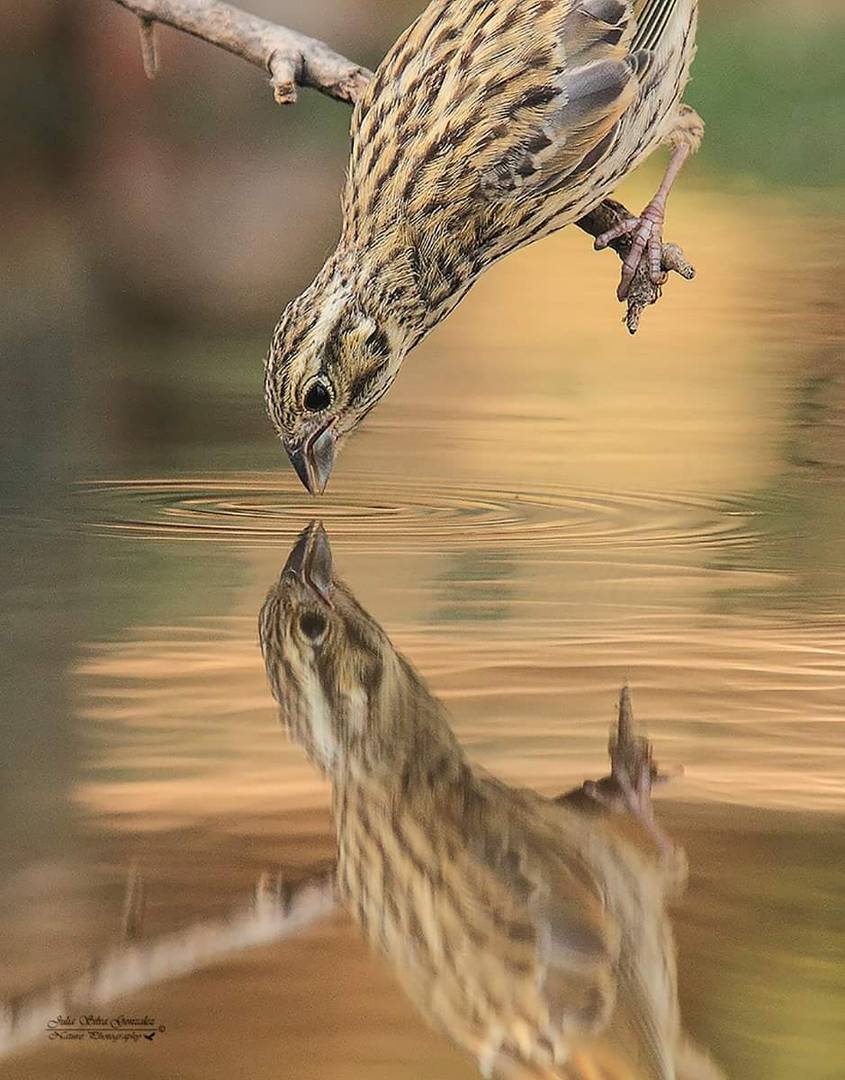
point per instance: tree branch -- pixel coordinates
(291, 58)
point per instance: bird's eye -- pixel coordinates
(313, 625)
(318, 396)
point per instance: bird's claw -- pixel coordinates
(646, 232)
(643, 278)
(633, 774)
(613, 227)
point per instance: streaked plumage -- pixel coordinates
(532, 931)
(489, 124)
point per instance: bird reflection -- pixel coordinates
(532, 931)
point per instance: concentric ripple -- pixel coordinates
(256, 509)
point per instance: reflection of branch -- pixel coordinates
(277, 912)
(291, 58)
(294, 59)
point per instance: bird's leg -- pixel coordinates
(647, 229)
(644, 233)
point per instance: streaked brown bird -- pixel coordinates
(532, 931)
(489, 124)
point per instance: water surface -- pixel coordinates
(542, 510)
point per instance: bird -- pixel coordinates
(488, 125)
(532, 931)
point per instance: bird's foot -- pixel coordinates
(633, 774)
(628, 788)
(615, 227)
(646, 233)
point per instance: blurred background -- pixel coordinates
(192, 207)
(541, 509)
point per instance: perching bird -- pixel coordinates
(532, 931)
(489, 124)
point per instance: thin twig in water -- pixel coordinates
(149, 52)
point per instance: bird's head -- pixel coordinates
(330, 361)
(344, 692)
(329, 664)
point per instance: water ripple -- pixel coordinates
(261, 510)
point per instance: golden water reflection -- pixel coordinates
(532, 931)
(541, 510)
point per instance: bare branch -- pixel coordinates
(291, 58)
(276, 912)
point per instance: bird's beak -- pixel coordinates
(313, 459)
(311, 561)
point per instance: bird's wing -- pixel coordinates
(479, 98)
(601, 1007)
(549, 907)
(563, 95)
(651, 18)
(485, 118)
(605, 51)
(652, 22)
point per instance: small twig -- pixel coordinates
(625, 717)
(291, 58)
(272, 914)
(285, 72)
(149, 52)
